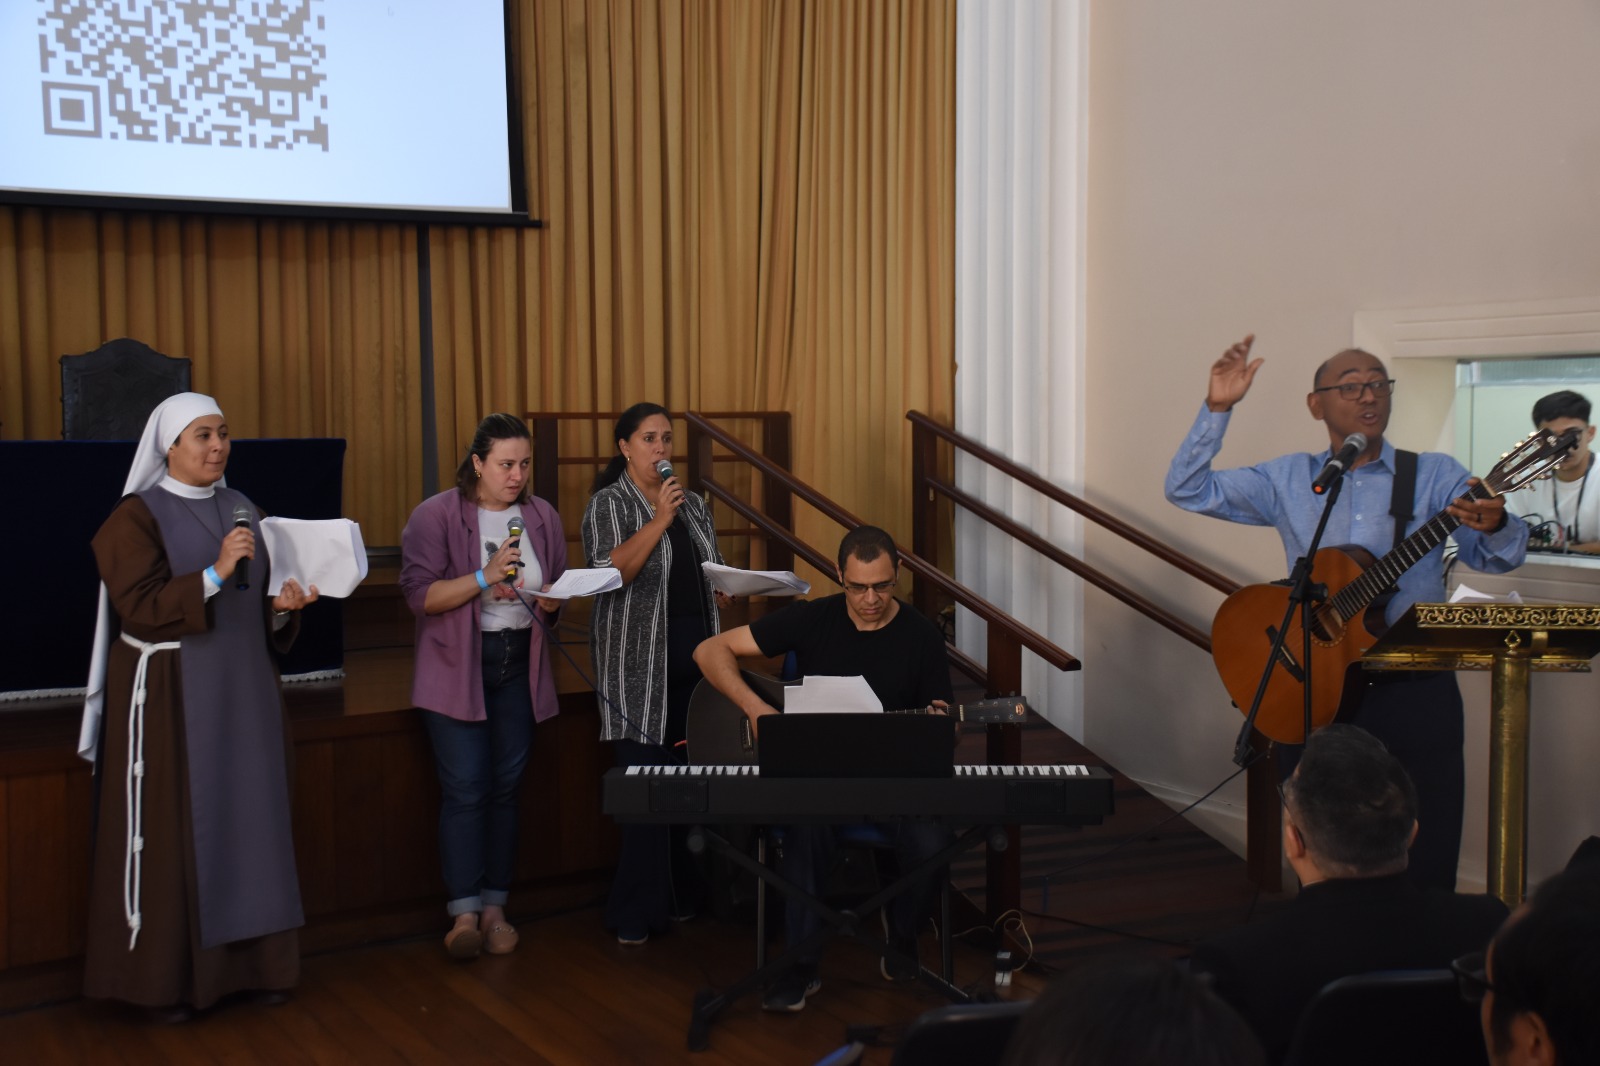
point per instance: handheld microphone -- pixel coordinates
(514, 531)
(1353, 446)
(664, 468)
(241, 569)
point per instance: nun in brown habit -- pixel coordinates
(193, 892)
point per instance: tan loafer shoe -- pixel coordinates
(501, 939)
(463, 942)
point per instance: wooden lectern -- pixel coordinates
(1509, 640)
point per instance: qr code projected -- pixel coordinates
(222, 72)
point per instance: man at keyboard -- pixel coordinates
(862, 631)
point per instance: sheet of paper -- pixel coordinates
(1468, 594)
(732, 581)
(833, 695)
(327, 553)
(584, 582)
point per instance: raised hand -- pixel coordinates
(240, 543)
(1231, 375)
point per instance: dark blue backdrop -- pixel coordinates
(63, 490)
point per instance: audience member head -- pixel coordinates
(491, 432)
(1351, 808)
(1131, 1011)
(1543, 976)
(628, 424)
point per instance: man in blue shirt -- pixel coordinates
(1416, 715)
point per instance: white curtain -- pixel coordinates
(1021, 177)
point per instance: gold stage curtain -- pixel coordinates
(298, 328)
(749, 206)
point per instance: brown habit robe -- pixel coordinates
(169, 965)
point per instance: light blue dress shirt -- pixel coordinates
(1278, 493)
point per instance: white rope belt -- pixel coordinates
(132, 865)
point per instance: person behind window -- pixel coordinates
(1563, 511)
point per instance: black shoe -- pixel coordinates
(895, 968)
(789, 992)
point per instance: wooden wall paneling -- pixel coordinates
(37, 868)
(358, 823)
(79, 844)
(315, 840)
(410, 830)
(5, 868)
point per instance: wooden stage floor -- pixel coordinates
(571, 994)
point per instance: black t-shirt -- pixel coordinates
(903, 662)
(685, 581)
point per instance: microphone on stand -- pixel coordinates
(1353, 446)
(241, 569)
(514, 531)
(664, 468)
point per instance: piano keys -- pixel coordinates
(1068, 794)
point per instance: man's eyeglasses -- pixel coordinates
(882, 588)
(1351, 390)
(1472, 977)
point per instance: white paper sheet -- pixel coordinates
(1468, 594)
(580, 582)
(732, 581)
(327, 553)
(833, 695)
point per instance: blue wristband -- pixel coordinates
(213, 577)
(482, 584)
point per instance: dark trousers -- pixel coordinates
(656, 877)
(807, 858)
(1418, 717)
(480, 767)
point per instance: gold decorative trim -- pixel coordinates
(1509, 615)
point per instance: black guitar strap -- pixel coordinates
(1401, 505)
(1403, 501)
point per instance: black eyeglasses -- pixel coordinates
(882, 588)
(1352, 390)
(1472, 977)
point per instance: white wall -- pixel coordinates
(1275, 168)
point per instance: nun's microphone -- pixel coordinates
(241, 569)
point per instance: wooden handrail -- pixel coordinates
(1066, 499)
(1133, 599)
(1041, 646)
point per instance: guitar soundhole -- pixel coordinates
(1327, 626)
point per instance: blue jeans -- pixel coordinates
(480, 766)
(808, 858)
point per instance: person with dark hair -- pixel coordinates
(862, 631)
(642, 637)
(1539, 981)
(1130, 1011)
(1416, 713)
(1350, 813)
(1565, 516)
(192, 892)
(469, 557)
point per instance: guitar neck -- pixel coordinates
(1351, 600)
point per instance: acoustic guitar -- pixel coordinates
(717, 732)
(1243, 630)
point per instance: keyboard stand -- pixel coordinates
(708, 1003)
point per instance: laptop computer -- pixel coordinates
(857, 745)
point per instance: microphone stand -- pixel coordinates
(1304, 595)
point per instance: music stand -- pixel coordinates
(1509, 640)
